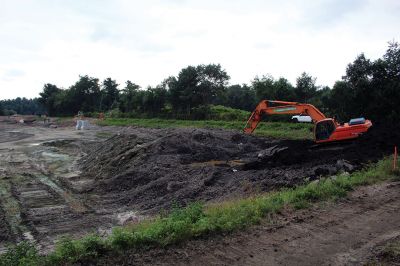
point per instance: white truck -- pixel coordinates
(302, 118)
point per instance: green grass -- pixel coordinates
(283, 130)
(200, 220)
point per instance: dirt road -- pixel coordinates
(343, 233)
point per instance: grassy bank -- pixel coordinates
(199, 220)
(282, 130)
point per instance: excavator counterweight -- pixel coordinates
(325, 129)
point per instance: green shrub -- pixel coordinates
(69, 250)
(20, 255)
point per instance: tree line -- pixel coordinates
(370, 88)
(21, 106)
(187, 95)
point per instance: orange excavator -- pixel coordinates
(325, 129)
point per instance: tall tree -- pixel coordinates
(305, 88)
(109, 94)
(128, 97)
(264, 88)
(240, 97)
(284, 90)
(267, 88)
(48, 97)
(196, 86)
(84, 95)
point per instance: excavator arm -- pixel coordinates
(281, 108)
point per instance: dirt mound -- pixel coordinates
(151, 173)
(179, 167)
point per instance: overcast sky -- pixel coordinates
(55, 41)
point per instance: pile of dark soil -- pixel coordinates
(185, 165)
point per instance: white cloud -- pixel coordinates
(54, 41)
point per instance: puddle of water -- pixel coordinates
(34, 144)
(55, 155)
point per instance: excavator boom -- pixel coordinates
(281, 108)
(325, 129)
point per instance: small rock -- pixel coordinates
(270, 151)
(344, 165)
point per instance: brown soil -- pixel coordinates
(342, 233)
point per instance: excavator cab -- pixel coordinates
(324, 129)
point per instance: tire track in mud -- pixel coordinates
(12, 213)
(48, 209)
(39, 178)
(36, 206)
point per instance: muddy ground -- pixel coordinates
(351, 231)
(56, 181)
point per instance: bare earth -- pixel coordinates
(343, 233)
(58, 181)
(34, 203)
